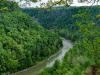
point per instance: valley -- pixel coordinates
(49, 62)
(49, 41)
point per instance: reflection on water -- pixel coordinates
(60, 55)
(49, 62)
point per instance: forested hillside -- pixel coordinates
(23, 42)
(83, 58)
(62, 20)
(6, 6)
(80, 24)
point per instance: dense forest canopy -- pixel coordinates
(23, 41)
(62, 20)
(8, 6)
(83, 58)
(80, 24)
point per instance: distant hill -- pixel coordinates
(81, 25)
(63, 19)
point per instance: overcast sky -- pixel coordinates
(75, 3)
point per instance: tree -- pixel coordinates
(52, 3)
(23, 41)
(7, 6)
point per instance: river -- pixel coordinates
(67, 44)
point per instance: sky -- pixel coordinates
(31, 4)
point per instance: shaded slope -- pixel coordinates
(23, 42)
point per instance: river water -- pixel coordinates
(67, 44)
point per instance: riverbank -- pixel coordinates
(67, 44)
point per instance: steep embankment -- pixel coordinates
(49, 62)
(81, 25)
(23, 42)
(83, 58)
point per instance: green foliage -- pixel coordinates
(23, 42)
(85, 52)
(6, 6)
(62, 20)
